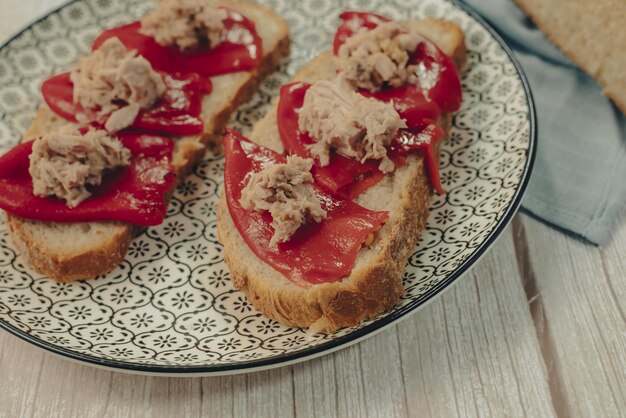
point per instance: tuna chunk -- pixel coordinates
(115, 83)
(286, 191)
(378, 58)
(186, 24)
(66, 164)
(337, 117)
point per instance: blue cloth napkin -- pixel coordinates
(579, 180)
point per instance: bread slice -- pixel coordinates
(590, 33)
(83, 250)
(375, 284)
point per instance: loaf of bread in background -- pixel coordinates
(592, 33)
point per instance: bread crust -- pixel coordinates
(67, 267)
(110, 251)
(363, 294)
(370, 289)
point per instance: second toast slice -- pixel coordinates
(375, 283)
(83, 250)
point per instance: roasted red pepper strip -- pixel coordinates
(446, 92)
(241, 51)
(351, 22)
(318, 252)
(410, 103)
(134, 194)
(410, 142)
(176, 113)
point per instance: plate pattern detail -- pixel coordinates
(171, 303)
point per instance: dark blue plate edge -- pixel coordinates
(335, 344)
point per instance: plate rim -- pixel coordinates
(339, 342)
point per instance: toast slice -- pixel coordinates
(68, 252)
(375, 284)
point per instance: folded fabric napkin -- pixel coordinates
(578, 182)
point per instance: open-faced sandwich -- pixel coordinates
(103, 153)
(325, 201)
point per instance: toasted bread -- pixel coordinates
(375, 283)
(84, 250)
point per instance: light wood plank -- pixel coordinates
(315, 388)
(473, 352)
(614, 265)
(217, 395)
(268, 393)
(20, 369)
(350, 394)
(63, 388)
(382, 379)
(469, 353)
(580, 287)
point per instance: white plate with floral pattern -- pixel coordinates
(170, 307)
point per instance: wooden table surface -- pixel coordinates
(537, 328)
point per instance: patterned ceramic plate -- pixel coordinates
(170, 307)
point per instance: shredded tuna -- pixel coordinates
(337, 117)
(115, 81)
(185, 23)
(377, 58)
(286, 191)
(66, 164)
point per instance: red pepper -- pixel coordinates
(176, 113)
(318, 252)
(352, 21)
(133, 194)
(241, 51)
